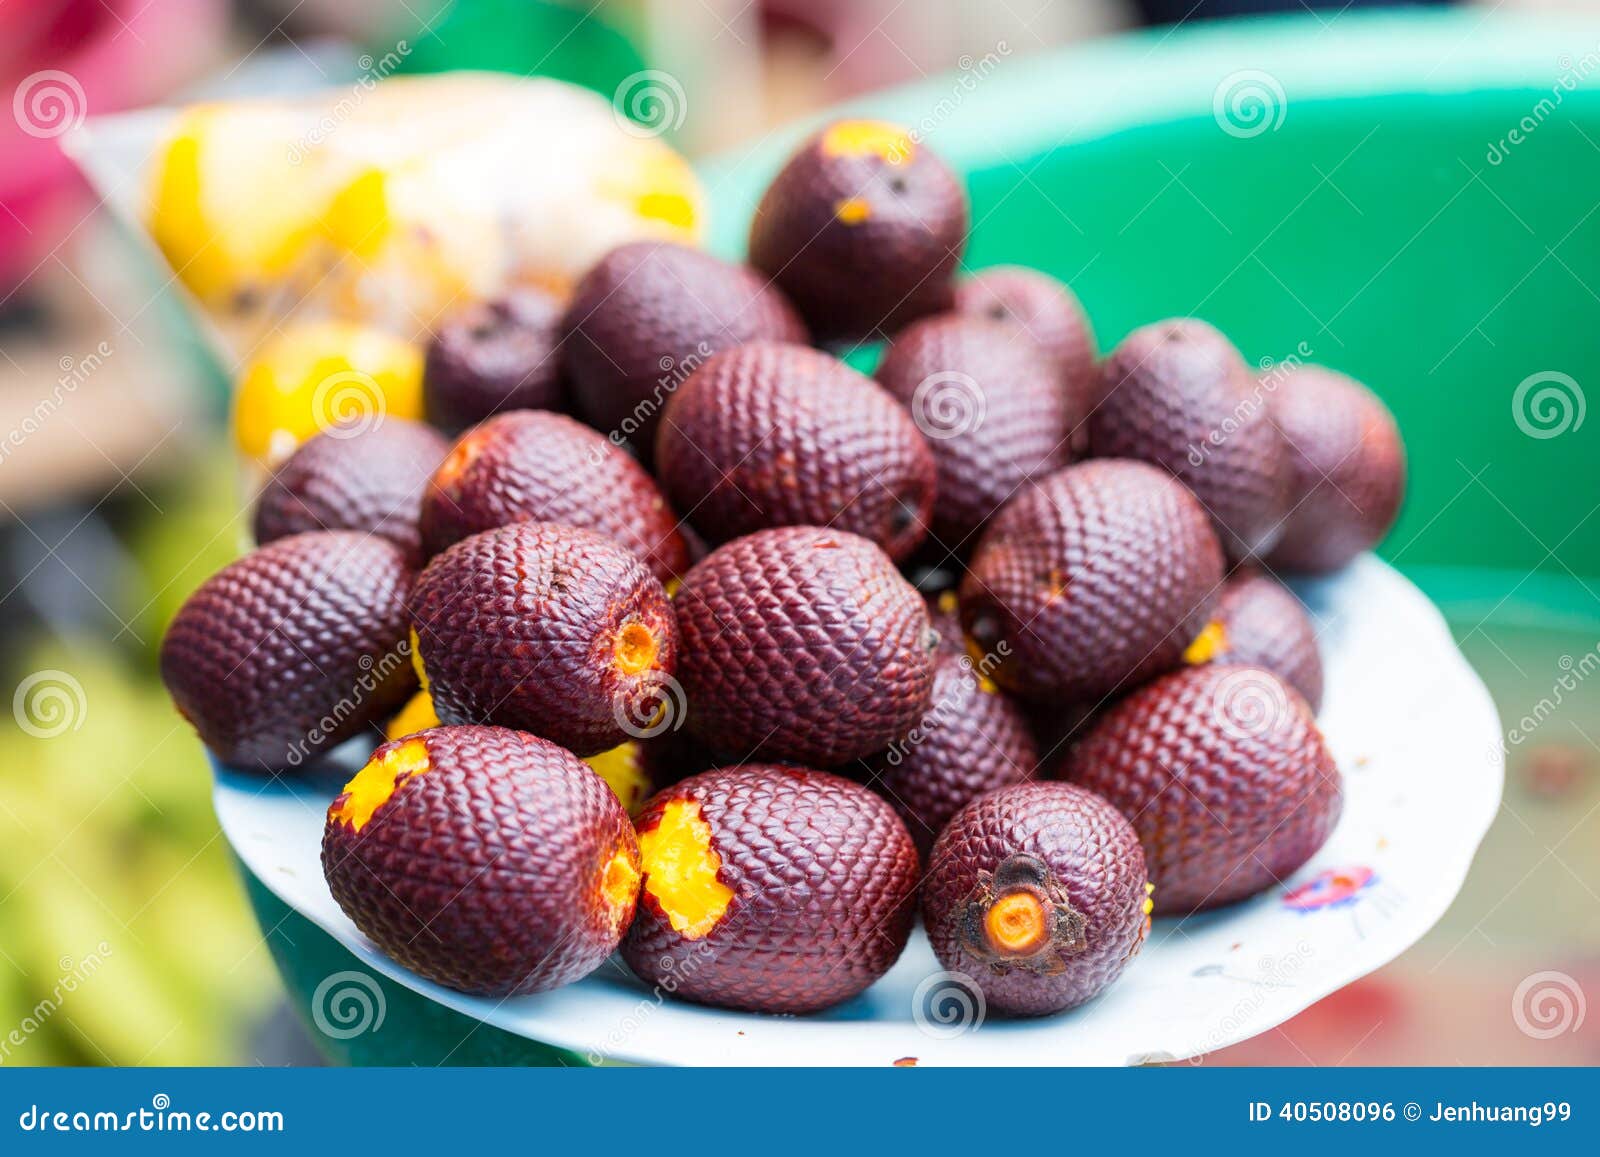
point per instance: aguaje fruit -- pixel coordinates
(972, 739)
(770, 889)
(1259, 623)
(369, 479)
(772, 434)
(1038, 893)
(1347, 469)
(994, 409)
(483, 859)
(535, 466)
(1178, 394)
(548, 628)
(494, 356)
(646, 316)
(1042, 308)
(1224, 775)
(862, 228)
(802, 644)
(1096, 578)
(292, 649)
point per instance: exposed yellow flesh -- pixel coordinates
(375, 784)
(886, 141)
(680, 870)
(1208, 644)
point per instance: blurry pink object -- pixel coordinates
(1332, 888)
(61, 60)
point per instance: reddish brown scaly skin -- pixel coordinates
(1264, 625)
(862, 240)
(534, 466)
(802, 644)
(1177, 394)
(1347, 469)
(521, 626)
(995, 411)
(646, 316)
(492, 357)
(824, 879)
(486, 871)
(1071, 851)
(1224, 775)
(772, 434)
(1096, 578)
(368, 480)
(292, 649)
(972, 739)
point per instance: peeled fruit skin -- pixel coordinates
(971, 740)
(535, 466)
(802, 644)
(862, 228)
(995, 411)
(495, 356)
(772, 434)
(646, 316)
(1178, 395)
(494, 862)
(818, 882)
(369, 480)
(1259, 623)
(546, 628)
(1223, 773)
(1066, 869)
(292, 649)
(1096, 578)
(1347, 469)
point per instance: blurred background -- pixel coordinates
(119, 492)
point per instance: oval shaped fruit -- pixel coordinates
(1042, 308)
(535, 466)
(494, 356)
(483, 859)
(972, 739)
(802, 644)
(1093, 579)
(1178, 395)
(1037, 893)
(646, 317)
(369, 479)
(862, 228)
(995, 411)
(1224, 775)
(770, 889)
(547, 628)
(771, 434)
(292, 649)
(1346, 469)
(1259, 623)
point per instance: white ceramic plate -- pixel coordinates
(1411, 725)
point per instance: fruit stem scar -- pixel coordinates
(680, 869)
(1208, 644)
(1016, 924)
(375, 784)
(635, 649)
(1021, 917)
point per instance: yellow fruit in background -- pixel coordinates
(417, 715)
(318, 374)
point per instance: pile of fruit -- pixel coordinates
(993, 634)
